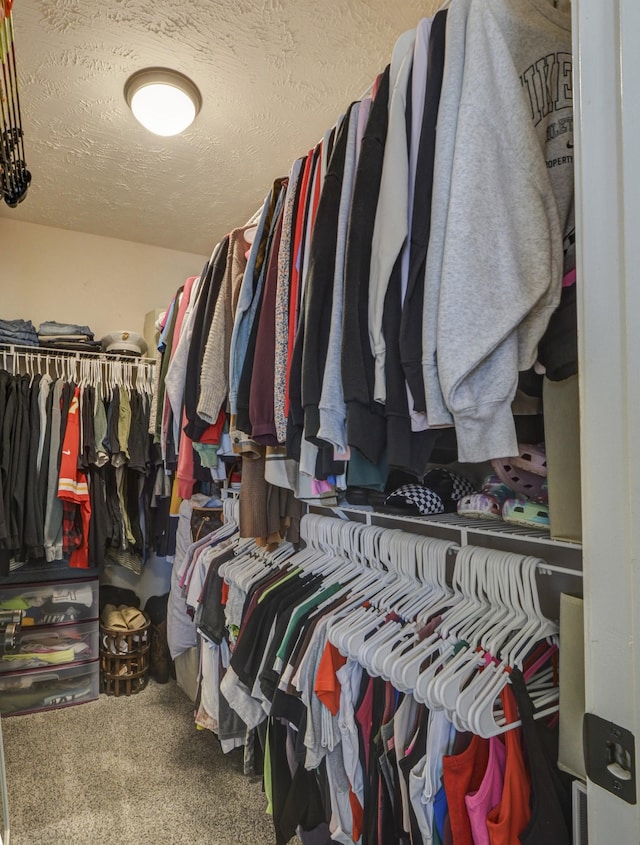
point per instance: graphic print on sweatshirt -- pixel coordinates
(548, 83)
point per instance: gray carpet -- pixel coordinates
(120, 771)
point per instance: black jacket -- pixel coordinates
(365, 421)
(411, 323)
(34, 516)
(295, 420)
(319, 284)
(196, 426)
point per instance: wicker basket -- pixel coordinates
(124, 660)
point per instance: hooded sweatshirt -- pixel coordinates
(510, 208)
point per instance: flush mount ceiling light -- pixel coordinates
(163, 100)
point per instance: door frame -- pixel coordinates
(607, 176)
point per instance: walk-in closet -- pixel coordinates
(317, 422)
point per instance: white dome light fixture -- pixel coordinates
(164, 101)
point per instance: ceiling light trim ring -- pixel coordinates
(162, 76)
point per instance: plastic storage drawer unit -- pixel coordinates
(53, 602)
(58, 645)
(45, 689)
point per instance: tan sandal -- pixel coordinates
(112, 618)
(133, 617)
(106, 610)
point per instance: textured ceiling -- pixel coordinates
(274, 74)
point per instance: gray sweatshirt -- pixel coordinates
(510, 208)
(214, 372)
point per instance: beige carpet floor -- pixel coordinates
(128, 771)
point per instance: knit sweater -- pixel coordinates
(283, 297)
(261, 388)
(214, 373)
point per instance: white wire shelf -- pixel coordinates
(45, 352)
(458, 524)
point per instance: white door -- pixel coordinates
(607, 150)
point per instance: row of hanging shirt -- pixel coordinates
(398, 279)
(422, 709)
(78, 472)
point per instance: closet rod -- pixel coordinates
(368, 90)
(76, 355)
(543, 568)
(254, 218)
(359, 99)
(549, 569)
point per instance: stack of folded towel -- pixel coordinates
(67, 336)
(18, 332)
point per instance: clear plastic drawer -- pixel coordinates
(37, 648)
(45, 689)
(52, 603)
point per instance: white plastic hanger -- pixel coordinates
(445, 687)
(459, 627)
(481, 716)
(511, 578)
(456, 674)
(419, 591)
(405, 671)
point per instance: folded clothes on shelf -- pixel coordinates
(17, 326)
(64, 338)
(19, 337)
(53, 329)
(70, 345)
(18, 332)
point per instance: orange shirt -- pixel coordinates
(327, 685)
(507, 821)
(72, 483)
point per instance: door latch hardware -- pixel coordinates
(609, 753)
